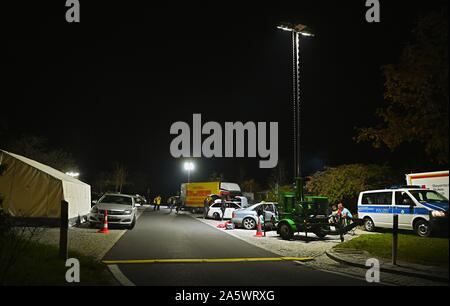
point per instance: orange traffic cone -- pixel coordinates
(105, 229)
(259, 232)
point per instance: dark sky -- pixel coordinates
(108, 89)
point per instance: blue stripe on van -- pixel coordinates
(442, 206)
(388, 209)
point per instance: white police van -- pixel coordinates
(419, 209)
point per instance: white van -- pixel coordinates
(419, 209)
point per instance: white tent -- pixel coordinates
(33, 190)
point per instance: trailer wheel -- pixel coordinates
(285, 231)
(369, 226)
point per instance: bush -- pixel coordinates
(344, 183)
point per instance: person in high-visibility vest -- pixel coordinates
(158, 202)
(155, 200)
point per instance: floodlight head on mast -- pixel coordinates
(298, 28)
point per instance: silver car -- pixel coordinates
(248, 217)
(121, 210)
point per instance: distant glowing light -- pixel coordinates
(73, 174)
(188, 166)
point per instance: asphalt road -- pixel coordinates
(160, 235)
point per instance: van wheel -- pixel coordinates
(422, 228)
(369, 226)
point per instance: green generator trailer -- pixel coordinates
(308, 214)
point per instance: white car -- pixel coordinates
(215, 211)
(121, 210)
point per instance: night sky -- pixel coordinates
(108, 89)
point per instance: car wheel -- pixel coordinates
(216, 216)
(369, 226)
(133, 223)
(285, 231)
(422, 228)
(249, 223)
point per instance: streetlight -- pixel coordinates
(297, 31)
(189, 166)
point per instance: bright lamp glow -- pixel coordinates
(188, 166)
(73, 174)
(297, 28)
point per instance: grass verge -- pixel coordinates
(431, 251)
(39, 265)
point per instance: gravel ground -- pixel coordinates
(300, 246)
(311, 246)
(85, 240)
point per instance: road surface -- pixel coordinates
(161, 235)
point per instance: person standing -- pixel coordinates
(343, 212)
(206, 202)
(154, 202)
(158, 202)
(222, 207)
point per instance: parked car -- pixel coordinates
(215, 211)
(419, 209)
(95, 196)
(139, 200)
(121, 210)
(248, 217)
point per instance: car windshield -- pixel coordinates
(113, 199)
(428, 196)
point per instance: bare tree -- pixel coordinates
(120, 175)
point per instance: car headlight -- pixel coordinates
(94, 210)
(437, 214)
(128, 211)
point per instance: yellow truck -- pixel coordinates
(193, 195)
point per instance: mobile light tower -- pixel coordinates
(300, 213)
(189, 166)
(297, 30)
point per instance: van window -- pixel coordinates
(378, 198)
(402, 198)
(424, 196)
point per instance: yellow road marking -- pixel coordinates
(206, 260)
